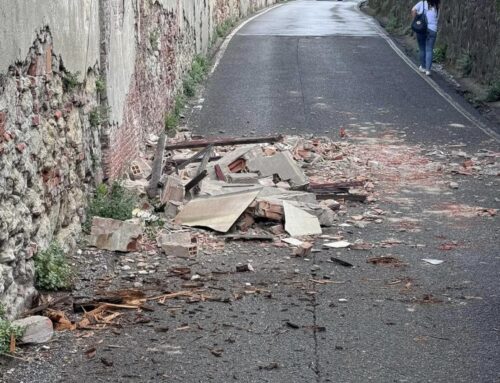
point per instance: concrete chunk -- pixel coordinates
(281, 164)
(114, 235)
(299, 223)
(173, 190)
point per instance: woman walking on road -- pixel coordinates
(427, 39)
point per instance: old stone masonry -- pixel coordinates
(83, 84)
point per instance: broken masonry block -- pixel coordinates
(114, 235)
(303, 250)
(173, 190)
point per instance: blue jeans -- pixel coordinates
(426, 43)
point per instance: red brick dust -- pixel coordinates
(452, 210)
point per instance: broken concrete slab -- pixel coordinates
(299, 223)
(219, 212)
(114, 235)
(37, 329)
(173, 190)
(281, 164)
(242, 178)
(178, 244)
(288, 195)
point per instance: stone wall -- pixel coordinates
(82, 83)
(466, 28)
(48, 157)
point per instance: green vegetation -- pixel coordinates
(100, 85)
(493, 92)
(7, 330)
(439, 55)
(115, 202)
(52, 271)
(70, 80)
(153, 227)
(195, 76)
(464, 64)
(99, 115)
(223, 28)
(393, 24)
(154, 40)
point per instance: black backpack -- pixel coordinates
(419, 24)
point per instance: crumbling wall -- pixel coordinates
(49, 155)
(168, 35)
(467, 29)
(82, 83)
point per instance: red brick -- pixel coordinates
(57, 114)
(35, 120)
(21, 147)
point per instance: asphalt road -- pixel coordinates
(313, 67)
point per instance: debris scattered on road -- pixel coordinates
(337, 244)
(341, 262)
(386, 261)
(432, 261)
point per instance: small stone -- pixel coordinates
(315, 267)
(137, 285)
(343, 300)
(142, 272)
(126, 268)
(453, 185)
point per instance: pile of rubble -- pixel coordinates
(257, 188)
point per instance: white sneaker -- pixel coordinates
(421, 69)
(427, 72)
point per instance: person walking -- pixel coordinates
(427, 39)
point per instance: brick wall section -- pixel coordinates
(160, 66)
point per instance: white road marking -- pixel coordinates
(228, 39)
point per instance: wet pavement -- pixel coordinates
(313, 67)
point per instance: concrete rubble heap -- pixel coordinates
(249, 191)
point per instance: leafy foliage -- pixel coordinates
(70, 80)
(439, 54)
(223, 28)
(7, 330)
(114, 202)
(464, 64)
(52, 270)
(493, 92)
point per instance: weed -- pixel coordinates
(152, 228)
(189, 86)
(99, 115)
(196, 74)
(393, 24)
(223, 28)
(180, 102)
(114, 202)
(52, 270)
(7, 330)
(100, 85)
(493, 92)
(464, 64)
(439, 55)
(70, 80)
(154, 40)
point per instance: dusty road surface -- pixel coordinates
(321, 68)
